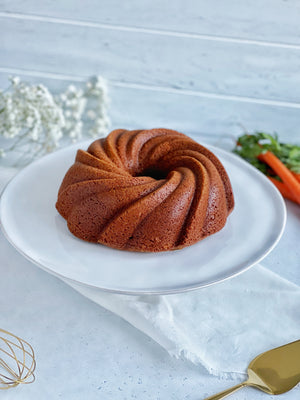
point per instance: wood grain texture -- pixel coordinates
(197, 66)
(175, 62)
(140, 108)
(267, 20)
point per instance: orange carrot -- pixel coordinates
(283, 172)
(297, 176)
(283, 189)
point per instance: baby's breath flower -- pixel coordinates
(72, 89)
(91, 114)
(97, 90)
(32, 118)
(15, 80)
(63, 97)
(29, 121)
(34, 133)
(75, 133)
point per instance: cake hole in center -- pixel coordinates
(154, 173)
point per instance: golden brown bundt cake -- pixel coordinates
(146, 190)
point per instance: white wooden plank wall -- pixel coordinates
(196, 66)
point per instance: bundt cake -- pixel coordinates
(145, 190)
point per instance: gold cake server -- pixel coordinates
(274, 372)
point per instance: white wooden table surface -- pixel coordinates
(196, 66)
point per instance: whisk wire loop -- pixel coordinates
(17, 361)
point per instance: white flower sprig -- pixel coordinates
(35, 122)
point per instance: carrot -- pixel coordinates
(283, 172)
(297, 176)
(283, 189)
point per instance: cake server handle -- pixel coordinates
(227, 392)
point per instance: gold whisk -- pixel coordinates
(17, 362)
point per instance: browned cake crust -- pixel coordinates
(150, 190)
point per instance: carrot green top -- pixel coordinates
(251, 146)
